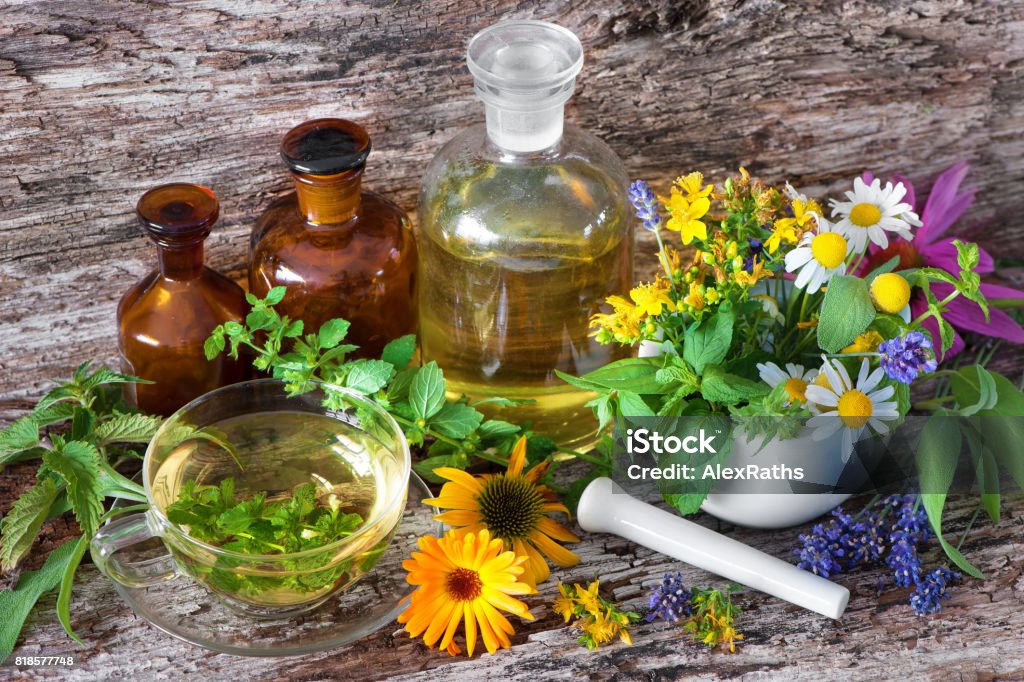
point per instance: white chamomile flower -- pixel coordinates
(873, 210)
(770, 307)
(793, 377)
(819, 255)
(794, 195)
(837, 402)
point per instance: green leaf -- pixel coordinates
(456, 420)
(718, 386)
(369, 376)
(108, 377)
(66, 583)
(399, 352)
(128, 428)
(632, 405)
(845, 313)
(707, 342)
(451, 458)
(967, 255)
(275, 295)
(16, 604)
(603, 409)
(887, 266)
(986, 473)
(214, 345)
(976, 390)
(629, 374)
(938, 452)
(333, 332)
(21, 435)
(20, 526)
(426, 393)
(78, 464)
(398, 389)
(495, 428)
(678, 373)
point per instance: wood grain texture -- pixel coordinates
(101, 100)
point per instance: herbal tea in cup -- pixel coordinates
(272, 502)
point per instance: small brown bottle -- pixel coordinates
(164, 319)
(339, 251)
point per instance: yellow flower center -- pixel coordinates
(855, 408)
(829, 249)
(865, 215)
(464, 584)
(890, 292)
(795, 389)
(511, 506)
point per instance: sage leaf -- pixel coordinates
(845, 313)
(21, 524)
(16, 604)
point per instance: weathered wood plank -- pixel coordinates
(101, 100)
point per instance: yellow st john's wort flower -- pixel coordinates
(600, 620)
(686, 215)
(514, 507)
(749, 279)
(622, 324)
(865, 343)
(464, 576)
(694, 299)
(651, 298)
(789, 230)
(691, 186)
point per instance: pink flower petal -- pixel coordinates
(944, 204)
(994, 291)
(966, 314)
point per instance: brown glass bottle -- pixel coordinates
(164, 319)
(340, 252)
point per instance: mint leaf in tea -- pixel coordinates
(279, 484)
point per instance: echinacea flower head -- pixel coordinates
(646, 205)
(651, 299)
(905, 357)
(849, 405)
(464, 576)
(820, 255)
(514, 507)
(873, 210)
(794, 377)
(686, 215)
(890, 292)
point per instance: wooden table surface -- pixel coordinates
(101, 100)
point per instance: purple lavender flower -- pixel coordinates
(931, 590)
(670, 600)
(904, 560)
(905, 357)
(646, 205)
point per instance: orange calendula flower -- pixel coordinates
(514, 507)
(464, 576)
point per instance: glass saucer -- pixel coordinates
(186, 610)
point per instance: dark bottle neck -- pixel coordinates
(328, 199)
(181, 262)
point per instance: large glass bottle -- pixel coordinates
(524, 230)
(341, 252)
(164, 319)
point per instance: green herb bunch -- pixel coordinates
(414, 396)
(254, 525)
(81, 432)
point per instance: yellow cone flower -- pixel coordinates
(464, 577)
(514, 507)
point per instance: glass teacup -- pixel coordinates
(282, 454)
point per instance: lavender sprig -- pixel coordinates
(646, 205)
(670, 600)
(904, 358)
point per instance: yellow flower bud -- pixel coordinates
(711, 295)
(890, 292)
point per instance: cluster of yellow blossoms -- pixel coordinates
(600, 620)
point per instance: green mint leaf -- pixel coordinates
(632, 405)
(369, 376)
(399, 352)
(495, 428)
(260, 319)
(78, 463)
(128, 428)
(108, 377)
(333, 332)
(707, 342)
(275, 296)
(20, 526)
(425, 468)
(16, 604)
(718, 386)
(603, 409)
(629, 374)
(967, 255)
(293, 330)
(427, 391)
(456, 420)
(845, 313)
(214, 344)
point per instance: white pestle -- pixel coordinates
(603, 511)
